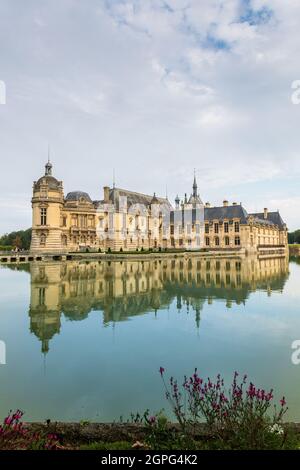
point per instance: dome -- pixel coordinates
(77, 195)
(52, 182)
(48, 179)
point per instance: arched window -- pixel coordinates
(237, 241)
(226, 241)
(217, 241)
(64, 240)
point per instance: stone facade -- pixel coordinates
(128, 221)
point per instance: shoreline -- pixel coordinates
(28, 257)
(84, 433)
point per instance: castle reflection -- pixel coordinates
(123, 289)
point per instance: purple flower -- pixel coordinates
(282, 401)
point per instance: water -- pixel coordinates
(84, 341)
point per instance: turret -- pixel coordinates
(47, 204)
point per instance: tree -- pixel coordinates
(294, 237)
(19, 239)
(17, 242)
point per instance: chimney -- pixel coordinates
(225, 203)
(265, 213)
(234, 203)
(207, 204)
(106, 193)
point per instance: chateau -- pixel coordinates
(129, 221)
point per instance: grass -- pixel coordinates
(118, 445)
(212, 444)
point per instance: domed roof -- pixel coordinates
(77, 195)
(52, 182)
(48, 179)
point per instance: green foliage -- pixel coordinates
(118, 445)
(20, 239)
(6, 247)
(239, 417)
(294, 237)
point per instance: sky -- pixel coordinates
(154, 89)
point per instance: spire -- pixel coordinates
(195, 187)
(154, 200)
(114, 179)
(177, 201)
(48, 166)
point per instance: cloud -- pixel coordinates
(153, 88)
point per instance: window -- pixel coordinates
(64, 240)
(83, 221)
(42, 294)
(206, 228)
(43, 216)
(226, 227)
(206, 241)
(217, 241)
(227, 241)
(43, 240)
(216, 228)
(64, 221)
(236, 226)
(237, 241)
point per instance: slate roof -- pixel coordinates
(52, 182)
(135, 198)
(76, 195)
(226, 212)
(273, 218)
(194, 200)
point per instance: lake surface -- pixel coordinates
(85, 340)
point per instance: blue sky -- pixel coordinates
(153, 88)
